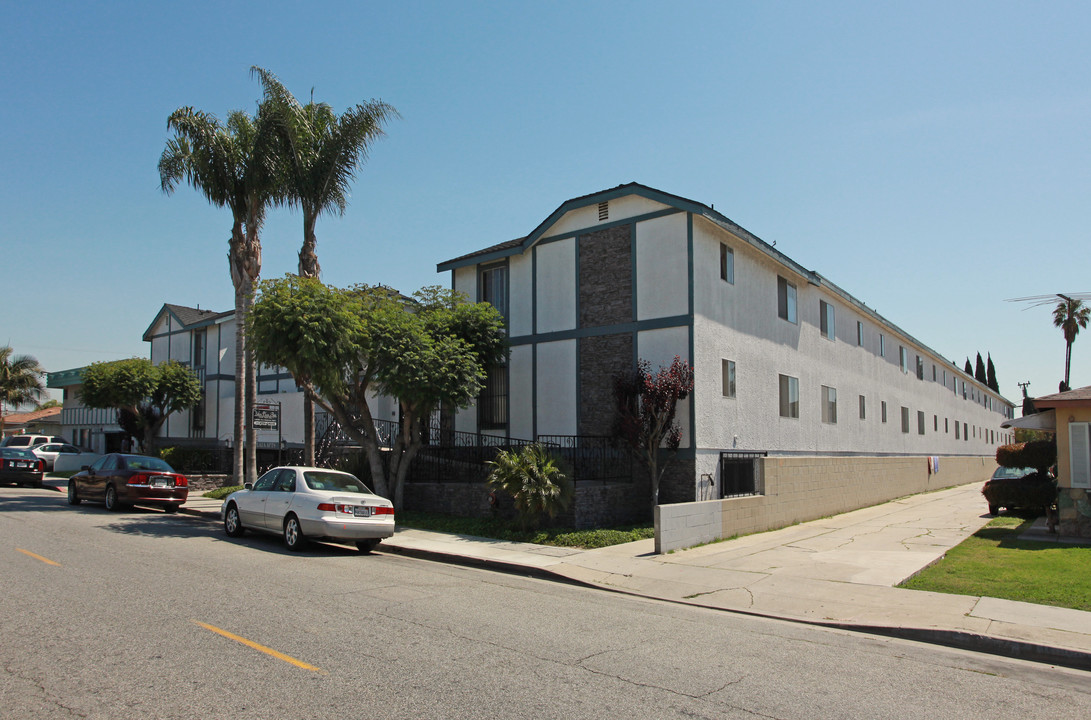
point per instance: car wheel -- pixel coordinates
(366, 546)
(232, 525)
(112, 503)
(73, 495)
(172, 508)
(994, 510)
(293, 534)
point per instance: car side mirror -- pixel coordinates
(248, 486)
(85, 468)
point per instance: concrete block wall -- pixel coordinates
(797, 489)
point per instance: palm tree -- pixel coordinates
(20, 381)
(231, 165)
(1071, 315)
(320, 152)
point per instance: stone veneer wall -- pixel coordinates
(1074, 512)
(798, 489)
(601, 359)
(606, 277)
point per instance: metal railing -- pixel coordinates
(738, 473)
(592, 458)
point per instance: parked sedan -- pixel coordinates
(50, 451)
(307, 503)
(120, 480)
(20, 467)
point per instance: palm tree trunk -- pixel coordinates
(238, 275)
(309, 268)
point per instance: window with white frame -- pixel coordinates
(786, 300)
(727, 263)
(1079, 454)
(829, 405)
(493, 287)
(826, 320)
(789, 396)
(727, 371)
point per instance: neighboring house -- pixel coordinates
(93, 429)
(35, 422)
(786, 362)
(1068, 414)
(205, 340)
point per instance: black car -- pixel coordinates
(1019, 489)
(20, 467)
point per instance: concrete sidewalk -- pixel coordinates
(838, 572)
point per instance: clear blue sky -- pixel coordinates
(932, 158)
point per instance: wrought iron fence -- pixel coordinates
(592, 458)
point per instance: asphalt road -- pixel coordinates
(146, 615)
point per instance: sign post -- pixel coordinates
(267, 417)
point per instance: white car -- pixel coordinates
(308, 503)
(51, 451)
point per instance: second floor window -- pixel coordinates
(786, 300)
(493, 287)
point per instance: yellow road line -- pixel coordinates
(47, 561)
(261, 648)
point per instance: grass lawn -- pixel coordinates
(995, 562)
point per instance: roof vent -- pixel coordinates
(604, 210)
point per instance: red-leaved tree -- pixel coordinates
(646, 404)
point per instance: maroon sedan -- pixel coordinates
(121, 480)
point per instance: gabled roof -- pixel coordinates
(187, 317)
(1079, 396)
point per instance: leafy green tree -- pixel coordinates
(144, 395)
(319, 153)
(1071, 316)
(345, 346)
(20, 381)
(233, 166)
(50, 403)
(533, 479)
(646, 405)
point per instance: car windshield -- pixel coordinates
(333, 481)
(1012, 472)
(16, 454)
(141, 462)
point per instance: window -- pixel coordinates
(882, 345)
(492, 403)
(197, 414)
(493, 286)
(920, 422)
(863, 408)
(789, 396)
(859, 333)
(727, 369)
(829, 405)
(826, 319)
(965, 432)
(958, 436)
(920, 368)
(935, 423)
(727, 263)
(905, 420)
(903, 358)
(1079, 454)
(786, 300)
(933, 373)
(199, 338)
(883, 404)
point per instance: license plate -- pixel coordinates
(162, 482)
(21, 464)
(360, 511)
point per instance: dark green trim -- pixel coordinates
(607, 226)
(632, 269)
(692, 333)
(576, 270)
(534, 390)
(633, 327)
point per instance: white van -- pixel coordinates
(29, 441)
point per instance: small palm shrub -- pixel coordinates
(532, 477)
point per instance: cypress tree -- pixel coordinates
(990, 373)
(969, 368)
(979, 371)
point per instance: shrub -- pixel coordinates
(532, 478)
(1037, 454)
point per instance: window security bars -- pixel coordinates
(738, 473)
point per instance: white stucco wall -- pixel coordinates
(520, 307)
(521, 392)
(662, 267)
(659, 347)
(557, 388)
(739, 322)
(556, 286)
(465, 281)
